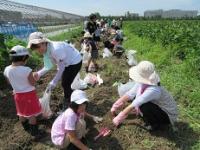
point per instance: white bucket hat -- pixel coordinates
(36, 38)
(79, 97)
(19, 51)
(144, 73)
(87, 35)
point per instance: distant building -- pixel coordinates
(131, 15)
(173, 13)
(176, 13)
(153, 13)
(134, 15)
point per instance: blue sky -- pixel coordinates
(113, 7)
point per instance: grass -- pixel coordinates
(72, 35)
(176, 75)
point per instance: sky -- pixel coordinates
(113, 7)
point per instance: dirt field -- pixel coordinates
(130, 136)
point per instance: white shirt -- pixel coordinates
(63, 55)
(18, 78)
(62, 51)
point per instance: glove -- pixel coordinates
(97, 119)
(50, 87)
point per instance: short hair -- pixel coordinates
(82, 32)
(34, 46)
(75, 106)
(107, 44)
(92, 16)
(18, 58)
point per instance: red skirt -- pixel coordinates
(27, 104)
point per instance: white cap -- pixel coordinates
(19, 51)
(79, 97)
(36, 38)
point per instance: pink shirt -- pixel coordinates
(66, 121)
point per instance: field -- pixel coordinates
(180, 75)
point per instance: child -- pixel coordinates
(106, 51)
(21, 79)
(91, 46)
(118, 49)
(69, 129)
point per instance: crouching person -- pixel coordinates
(69, 129)
(149, 100)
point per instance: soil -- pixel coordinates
(129, 136)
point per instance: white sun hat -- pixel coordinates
(36, 38)
(87, 35)
(79, 97)
(19, 51)
(144, 73)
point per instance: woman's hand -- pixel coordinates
(36, 76)
(137, 111)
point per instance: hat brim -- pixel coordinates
(37, 41)
(133, 74)
(81, 101)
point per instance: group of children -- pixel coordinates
(93, 31)
(149, 100)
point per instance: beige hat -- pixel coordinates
(87, 35)
(145, 73)
(19, 51)
(36, 38)
(79, 97)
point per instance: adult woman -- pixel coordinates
(156, 106)
(69, 129)
(66, 57)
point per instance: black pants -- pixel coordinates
(68, 76)
(73, 147)
(154, 115)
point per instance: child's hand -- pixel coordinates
(36, 76)
(97, 119)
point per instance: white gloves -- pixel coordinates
(50, 87)
(97, 119)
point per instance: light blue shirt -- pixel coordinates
(150, 93)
